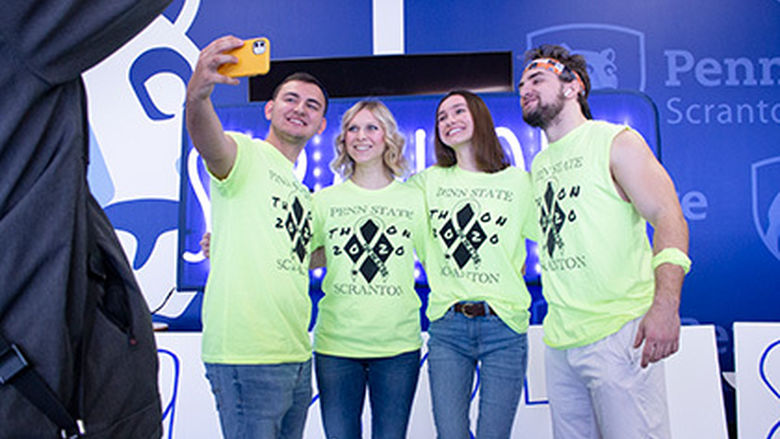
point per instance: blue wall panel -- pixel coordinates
(713, 70)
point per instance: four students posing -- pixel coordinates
(468, 218)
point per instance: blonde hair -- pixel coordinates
(393, 157)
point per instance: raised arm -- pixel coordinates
(217, 149)
(642, 180)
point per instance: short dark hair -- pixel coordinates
(303, 77)
(573, 63)
(488, 153)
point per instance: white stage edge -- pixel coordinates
(757, 367)
(693, 385)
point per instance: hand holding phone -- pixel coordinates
(254, 58)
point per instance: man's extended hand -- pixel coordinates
(205, 75)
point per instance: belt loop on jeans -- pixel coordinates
(473, 309)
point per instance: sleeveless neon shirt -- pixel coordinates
(593, 248)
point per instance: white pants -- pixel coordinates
(601, 391)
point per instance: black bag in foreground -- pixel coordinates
(113, 372)
(78, 357)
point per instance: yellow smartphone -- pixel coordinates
(254, 58)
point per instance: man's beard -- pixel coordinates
(544, 114)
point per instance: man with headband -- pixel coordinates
(613, 301)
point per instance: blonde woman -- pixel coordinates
(367, 334)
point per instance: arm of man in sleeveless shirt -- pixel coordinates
(641, 179)
(217, 148)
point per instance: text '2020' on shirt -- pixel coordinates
(370, 308)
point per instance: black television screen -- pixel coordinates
(395, 75)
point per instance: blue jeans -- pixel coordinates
(261, 401)
(391, 381)
(456, 345)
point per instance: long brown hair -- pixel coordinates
(488, 153)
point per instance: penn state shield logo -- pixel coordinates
(765, 182)
(615, 54)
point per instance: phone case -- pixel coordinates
(254, 58)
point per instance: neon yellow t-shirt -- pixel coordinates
(476, 244)
(256, 308)
(370, 308)
(594, 250)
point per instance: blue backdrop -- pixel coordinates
(712, 69)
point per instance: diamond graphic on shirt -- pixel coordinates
(383, 248)
(298, 228)
(354, 248)
(551, 219)
(464, 234)
(369, 249)
(291, 226)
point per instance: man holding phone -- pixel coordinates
(256, 308)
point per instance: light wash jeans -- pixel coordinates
(264, 401)
(342, 382)
(456, 345)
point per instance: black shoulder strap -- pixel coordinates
(18, 372)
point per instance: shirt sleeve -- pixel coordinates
(318, 222)
(528, 210)
(422, 227)
(417, 180)
(232, 182)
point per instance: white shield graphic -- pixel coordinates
(615, 54)
(138, 143)
(765, 181)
